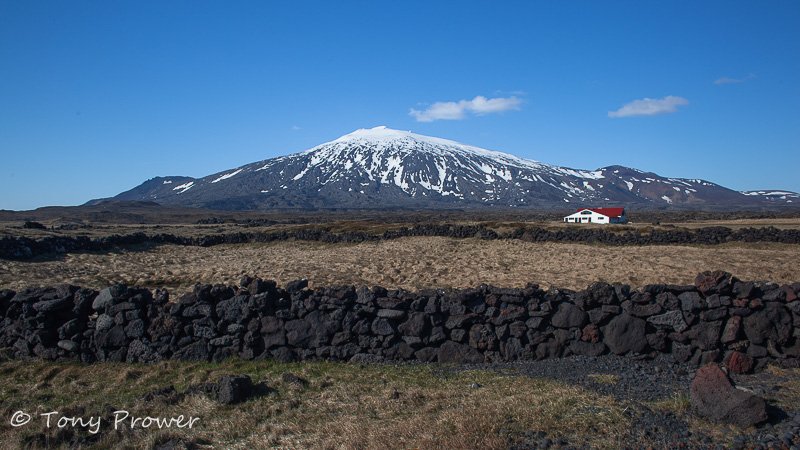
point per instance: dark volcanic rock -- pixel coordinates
(233, 389)
(716, 282)
(452, 352)
(569, 316)
(416, 325)
(672, 320)
(704, 335)
(714, 397)
(587, 348)
(774, 322)
(731, 331)
(59, 304)
(260, 320)
(738, 362)
(625, 334)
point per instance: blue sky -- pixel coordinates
(96, 97)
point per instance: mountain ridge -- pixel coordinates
(383, 168)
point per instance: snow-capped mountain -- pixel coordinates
(381, 167)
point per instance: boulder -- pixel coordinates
(600, 293)
(417, 325)
(234, 389)
(70, 328)
(453, 352)
(103, 299)
(512, 349)
(789, 292)
(658, 341)
(691, 301)
(511, 313)
(668, 300)
(298, 332)
(139, 351)
(482, 337)
(426, 354)
(400, 350)
(599, 316)
(517, 329)
(115, 337)
(58, 304)
(457, 335)
(569, 316)
(731, 331)
(197, 351)
(67, 345)
(738, 362)
(296, 285)
(590, 333)
(382, 327)
(108, 296)
(743, 289)
(625, 334)
(460, 321)
(716, 282)
(773, 322)
(714, 314)
(705, 335)
(391, 314)
(714, 397)
(233, 310)
(672, 320)
(551, 348)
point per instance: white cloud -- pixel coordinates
(478, 106)
(295, 128)
(650, 107)
(727, 80)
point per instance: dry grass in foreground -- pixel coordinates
(411, 263)
(343, 406)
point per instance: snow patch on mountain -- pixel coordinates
(227, 175)
(183, 187)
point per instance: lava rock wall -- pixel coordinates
(22, 248)
(719, 318)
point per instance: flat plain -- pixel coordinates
(410, 263)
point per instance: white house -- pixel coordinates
(597, 215)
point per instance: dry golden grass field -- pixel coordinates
(411, 263)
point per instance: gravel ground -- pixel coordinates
(647, 388)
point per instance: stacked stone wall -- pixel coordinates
(718, 318)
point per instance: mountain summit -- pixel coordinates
(381, 167)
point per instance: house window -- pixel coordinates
(586, 213)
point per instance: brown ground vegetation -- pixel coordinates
(371, 225)
(342, 406)
(411, 263)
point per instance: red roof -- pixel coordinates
(610, 212)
